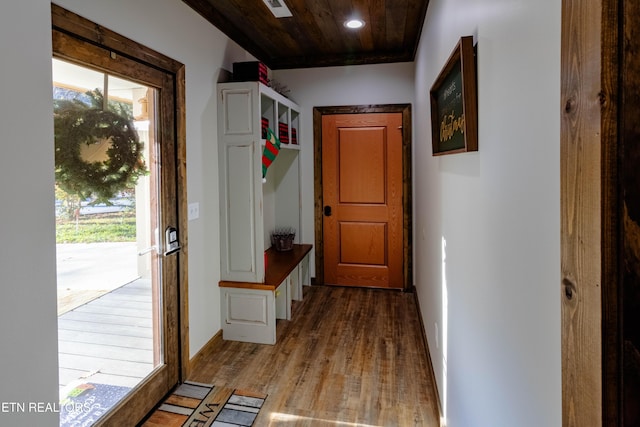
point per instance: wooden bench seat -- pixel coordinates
(250, 310)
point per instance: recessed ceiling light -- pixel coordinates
(354, 24)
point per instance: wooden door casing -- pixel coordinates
(318, 113)
(589, 158)
(362, 186)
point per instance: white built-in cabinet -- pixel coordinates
(251, 208)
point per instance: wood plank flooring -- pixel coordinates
(108, 340)
(348, 357)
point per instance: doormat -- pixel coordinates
(84, 403)
(204, 405)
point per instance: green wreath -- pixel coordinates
(76, 124)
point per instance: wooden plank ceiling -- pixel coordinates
(315, 35)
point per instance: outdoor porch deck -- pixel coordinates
(108, 340)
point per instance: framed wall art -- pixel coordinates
(454, 107)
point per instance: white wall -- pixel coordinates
(28, 318)
(339, 86)
(495, 297)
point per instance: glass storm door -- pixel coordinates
(117, 248)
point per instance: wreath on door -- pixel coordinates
(97, 152)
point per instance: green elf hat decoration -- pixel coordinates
(271, 149)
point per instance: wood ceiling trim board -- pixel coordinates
(378, 26)
(284, 63)
(396, 14)
(283, 34)
(342, 11)
(366, 40)
(331, 32)
(306, 31)
(364, 35)
(255, 20)
(286, 38)
(417, 12)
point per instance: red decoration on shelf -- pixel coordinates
(283, 132)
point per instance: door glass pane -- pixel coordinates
(109, 328)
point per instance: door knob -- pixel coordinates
(327, 211)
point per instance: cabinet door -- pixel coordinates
(248, 315)
(242, 246)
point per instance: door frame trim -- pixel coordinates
(83, 29)
(589, 243)
(407, 201)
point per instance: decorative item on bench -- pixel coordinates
(252, 71)
(264, 125)
(271, 149)
(283, 132)
(282, 239)
(294, 136)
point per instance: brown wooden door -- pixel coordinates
(164, 199)
(362, 196)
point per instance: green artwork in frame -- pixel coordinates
(454, 111)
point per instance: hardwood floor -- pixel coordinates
(348, 357)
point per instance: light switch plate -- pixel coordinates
(194, 211)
